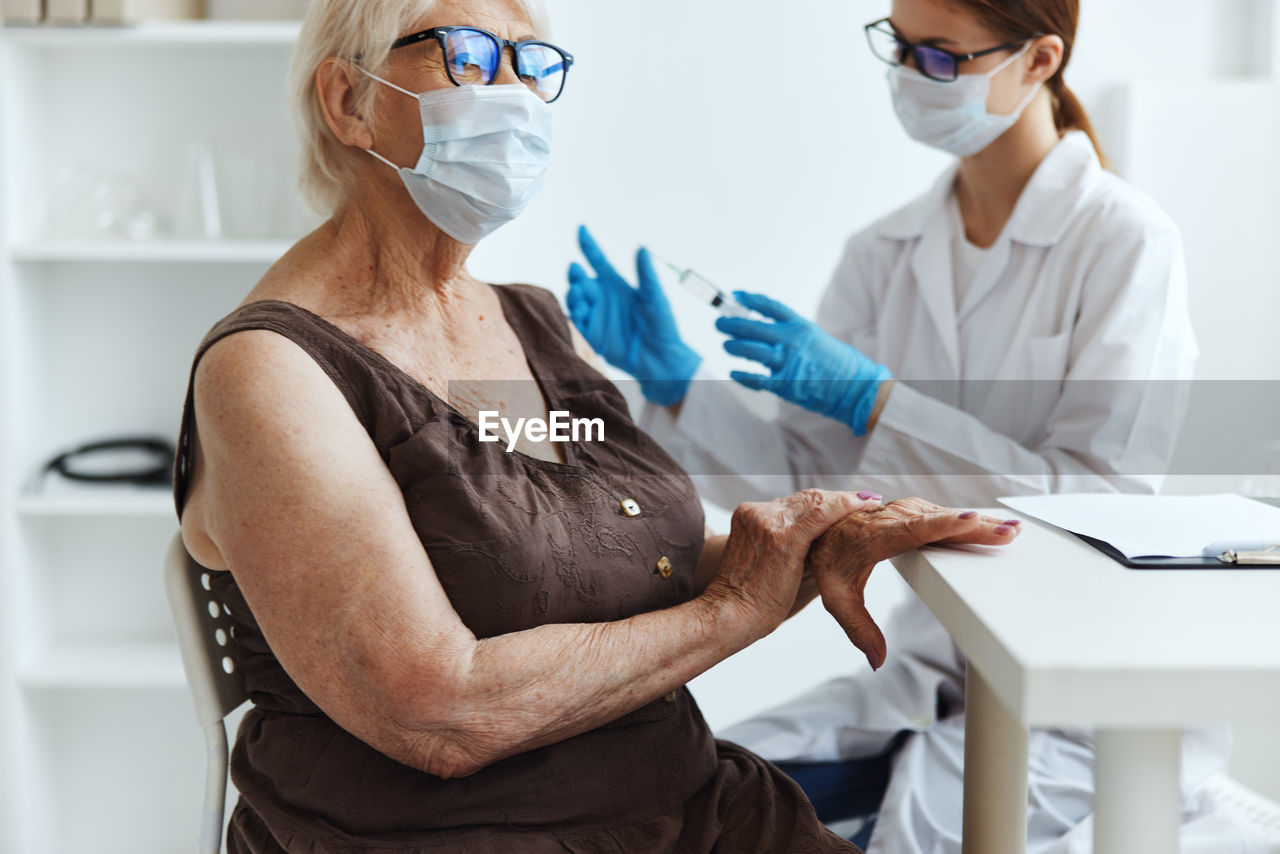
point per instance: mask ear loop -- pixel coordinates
(370, 74)
(993, 72)
(383, 159)
(1035, 90)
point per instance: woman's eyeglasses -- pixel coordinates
(933, 62)
(473, 57)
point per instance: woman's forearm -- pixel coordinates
(807, 593)
(497, 697)
(517, 692)
(708, 561)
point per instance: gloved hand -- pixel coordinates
(809, 367)
(632, 328)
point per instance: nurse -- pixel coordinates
(1027, 263)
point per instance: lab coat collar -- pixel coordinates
(1044, 210)
(1051, 199)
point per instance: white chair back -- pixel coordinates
(217, 686)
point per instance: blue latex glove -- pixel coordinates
(632, 328)
(809, 367)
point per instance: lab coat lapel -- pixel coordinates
(932, 270)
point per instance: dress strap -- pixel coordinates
(540, 323)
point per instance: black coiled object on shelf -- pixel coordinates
(158, 473)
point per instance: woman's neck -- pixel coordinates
(989, 184)
(394, 260)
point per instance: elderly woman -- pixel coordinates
(451, 646)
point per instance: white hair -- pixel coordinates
(362, 30)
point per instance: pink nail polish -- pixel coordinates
(1013, 523)
(1004, 530)
(870, 496)
(969, 515)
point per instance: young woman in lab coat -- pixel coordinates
(1028, 263)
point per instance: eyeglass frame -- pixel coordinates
(956, 58)
(439, 34)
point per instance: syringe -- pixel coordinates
(706, 292)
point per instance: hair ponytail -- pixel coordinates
(1023, 20)
(1069, 114)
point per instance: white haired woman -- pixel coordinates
(452, 646)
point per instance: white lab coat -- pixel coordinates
(1079, 313)
(1084, 295)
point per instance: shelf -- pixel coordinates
(159, 34)
(128, 666)
(107, 502)
(92, 688)
(152, 252)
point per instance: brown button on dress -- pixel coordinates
(517, 542)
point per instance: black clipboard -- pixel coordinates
(1170, 562)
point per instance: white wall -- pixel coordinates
(684, 129)
(749, 147)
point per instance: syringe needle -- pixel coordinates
(704, 291)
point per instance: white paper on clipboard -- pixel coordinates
(1155, 525)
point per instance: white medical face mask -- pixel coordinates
(952, 116)
(485, 155)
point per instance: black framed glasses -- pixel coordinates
(473, 57)
(933, 62)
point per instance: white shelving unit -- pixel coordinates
(162, 36)
(151, 252)
(110, 667)
(99, 748)
(98, 503)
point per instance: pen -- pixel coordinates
(1257, 552)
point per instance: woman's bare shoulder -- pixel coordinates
(253, 389)
(250, 361)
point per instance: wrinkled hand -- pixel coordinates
(841, 559)
(632, 328)
(807, 365)
(764, 556)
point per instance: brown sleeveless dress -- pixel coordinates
(517, 542)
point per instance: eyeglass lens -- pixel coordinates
(474, 57)
(542, 70)
(931, 62)
(934, 63)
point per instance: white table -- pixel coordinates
(1057, 634)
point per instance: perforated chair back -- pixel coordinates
(217, 686)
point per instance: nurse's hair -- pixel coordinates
(355, 30)
(1022, 20)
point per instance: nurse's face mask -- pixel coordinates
(936, 104)
(486, 147)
